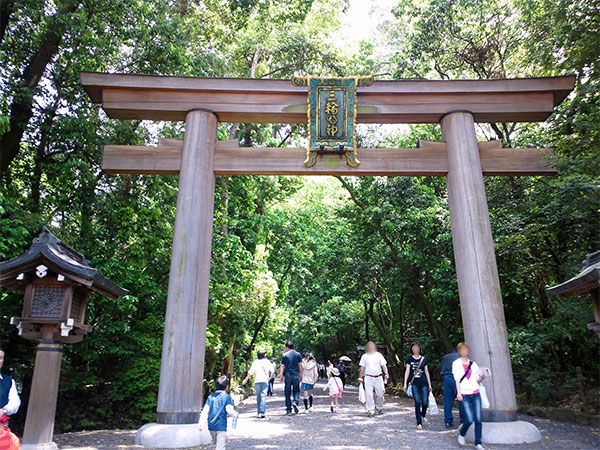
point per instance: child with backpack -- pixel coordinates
(218, 406)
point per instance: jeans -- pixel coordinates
(421, 398)
(292, 389)
(261, 397)
(449, 388)
(270, 388)
(472, 414)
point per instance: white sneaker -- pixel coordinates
(371, 413)
(479, 447)
(462, 440)
(419, 427)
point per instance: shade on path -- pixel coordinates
(349, 428)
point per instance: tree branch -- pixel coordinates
(21, 109)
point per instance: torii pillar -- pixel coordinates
(478, 282)
(182, 364)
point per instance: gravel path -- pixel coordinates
(349, 428)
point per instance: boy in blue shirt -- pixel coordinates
(218, 406)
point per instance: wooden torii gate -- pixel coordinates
(204, 102)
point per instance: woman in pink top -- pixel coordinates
(467, 376)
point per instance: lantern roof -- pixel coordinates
(49, 251)
(585, 281)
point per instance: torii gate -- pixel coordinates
(204, 102)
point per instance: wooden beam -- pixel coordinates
(516, 161)
(483, 145)
(125, 96)
(429, 160)
(290, 161)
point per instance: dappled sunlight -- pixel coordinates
(349, 428)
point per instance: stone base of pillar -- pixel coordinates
(158, 435)
(518, 432)
(46, 446)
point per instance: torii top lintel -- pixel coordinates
(149, 97)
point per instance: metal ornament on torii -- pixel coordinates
(204, 102)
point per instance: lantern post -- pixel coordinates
(56, 282)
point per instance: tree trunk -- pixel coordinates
(6, 9)
(258, 324)
(21, 109)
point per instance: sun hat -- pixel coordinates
(335, 371)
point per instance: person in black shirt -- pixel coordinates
(290, 371)
(449, 388)
(417, 374)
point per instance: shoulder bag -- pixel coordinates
(465, 375)
(409, 389)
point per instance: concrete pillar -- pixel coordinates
(39, 424)
(478, 284)
(182, 365)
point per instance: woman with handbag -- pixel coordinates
(419, 387)
(467, 376)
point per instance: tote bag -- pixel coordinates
(205, 435)
(485, 401)
(433, 407)
(362, 397)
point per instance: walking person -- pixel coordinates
(262, 370)
(373, 374)
(342, 368)
(272, 379)
(329, 368)
(9, 397)
(218, 406)
(290, 372)
(449, 388)
(335, 388)
(321, 370)
(467, 376)
(310, 375)
(417, 371)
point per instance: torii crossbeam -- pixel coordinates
(203, 102)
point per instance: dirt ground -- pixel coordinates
(349, 428)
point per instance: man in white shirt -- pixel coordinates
(373, 373)
(9, 397)
(262, 370)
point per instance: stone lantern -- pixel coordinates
(56, 282)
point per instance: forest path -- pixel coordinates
(351, 428)
(348, 428)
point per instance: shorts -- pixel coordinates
(307, 387)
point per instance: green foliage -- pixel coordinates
(327, 262)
